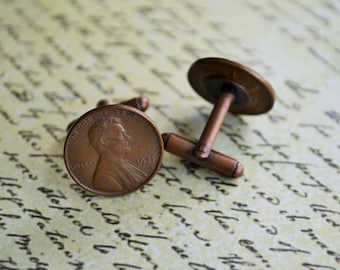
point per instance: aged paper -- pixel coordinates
(58, 58)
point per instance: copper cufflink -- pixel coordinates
(113, 150)
(230, 86)
(116, 149)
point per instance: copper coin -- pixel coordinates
(113, 150)
(208, 75)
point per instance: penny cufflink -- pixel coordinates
(113, 149)
(231, 87)
(116, 149)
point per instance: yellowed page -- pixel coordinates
(58, 58)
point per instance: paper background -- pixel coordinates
(57, 59)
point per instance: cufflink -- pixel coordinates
(113, 150)
(232, 87)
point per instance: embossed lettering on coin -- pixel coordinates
(113, 150)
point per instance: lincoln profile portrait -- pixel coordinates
(113, 171)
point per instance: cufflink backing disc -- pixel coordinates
(253, 95)
(113, 150)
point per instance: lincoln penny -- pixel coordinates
(113, 150)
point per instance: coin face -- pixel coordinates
(113, 150)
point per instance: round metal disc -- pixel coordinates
(207, 76)
(113, 150)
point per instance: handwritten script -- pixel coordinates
(58, 58)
